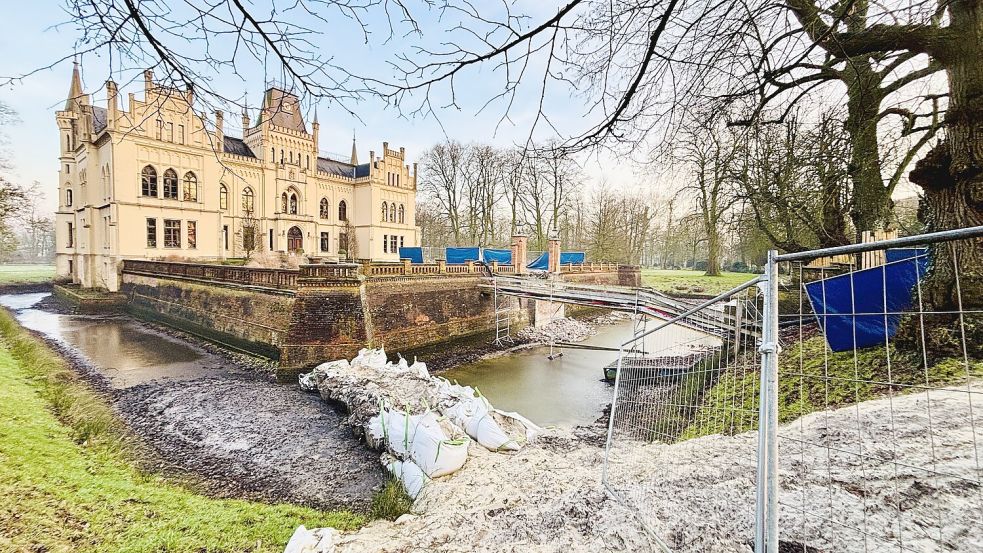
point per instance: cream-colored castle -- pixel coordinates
(152, 182)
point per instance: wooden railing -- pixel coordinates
(279, 279)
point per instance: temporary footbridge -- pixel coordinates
(640, 301)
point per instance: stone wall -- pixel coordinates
(250, 320)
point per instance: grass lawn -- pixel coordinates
(26, 274)
(692, 282)
(69, 485)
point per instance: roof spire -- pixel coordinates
(75, 90)
(354, 160)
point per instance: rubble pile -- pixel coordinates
(558, 330)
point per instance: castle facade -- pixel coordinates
(154, 182)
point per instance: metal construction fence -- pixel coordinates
(842, 412)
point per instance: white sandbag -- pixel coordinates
(307, 382)
(489, 434)
(420, 369)
(532, 429)
(318, 540)
(434, 452)
(370, 358)
(398, 429)
(410, 475)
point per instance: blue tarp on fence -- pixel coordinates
(504, 257)
(415, 255)
(458, 256)
(851, 308)
(897, 254)
(542, 262)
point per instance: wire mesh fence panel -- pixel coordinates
(684, 380)
(880, 401)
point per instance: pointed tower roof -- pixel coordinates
(75, 90)
(354, 160)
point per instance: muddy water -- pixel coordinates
(124, 351)
(566, 392)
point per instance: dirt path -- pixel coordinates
(219, 423)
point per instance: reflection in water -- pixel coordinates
(567, 391)
(126, 352)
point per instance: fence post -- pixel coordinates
(766, 508)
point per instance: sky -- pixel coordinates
(41, 32)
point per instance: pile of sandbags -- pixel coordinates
(317, 540)
(428, 435)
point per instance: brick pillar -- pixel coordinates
(554, 250)
(520, 246)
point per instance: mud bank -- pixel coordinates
(215, 420)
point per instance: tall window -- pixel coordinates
(68, 197)
(392, 213)
(71, 236)
(402, 214)
(293, 204)
(225, 236)
(247, 201)
(151, 233)
(172, 233)
(400, 241)
(170, 132)
(148, 181)
(325, 241)
(160, 128)
(283, 202)
(325, 210)
(223, 197)
(392, 243)
(385, 243)
(342, 211)
(192, 234)
(190, 187)
(180, 134)
(307, 165)
(170, 184)
(385, 211)
(343, 242)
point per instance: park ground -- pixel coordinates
(68, 469)
(692, 282)
(13, 273)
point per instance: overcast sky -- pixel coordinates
(40, 32)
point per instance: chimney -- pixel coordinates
(148, 80)
(219, 130)
(372, 165)
(111, 104)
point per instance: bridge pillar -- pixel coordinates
(520, 246)
(553, 247)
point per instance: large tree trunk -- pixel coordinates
(951, 177)
(871, 203)
(713, 251)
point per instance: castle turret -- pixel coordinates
(219, 130)
(112, 105)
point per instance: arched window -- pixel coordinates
(281, 156)
(68, 197)
(190, 187)
(223, 197)
(247, 201)
(170, 184)
(342, 211)
(308, 166)
(283, 202)
(385, 211)
(402, 214)
(392, 212)
(325, 208)
(273, 155)
(148, 181)
(291, 157)
(293, 204)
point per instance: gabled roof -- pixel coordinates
(282, 108)
(99, 118)
(237, 146)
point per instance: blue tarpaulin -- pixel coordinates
(415, 255)
(542, 262)
(897, 254)
(458, 256)
(504, 257)
(851, 308)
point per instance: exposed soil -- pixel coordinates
(232, 431)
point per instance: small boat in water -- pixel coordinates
(658, 367)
